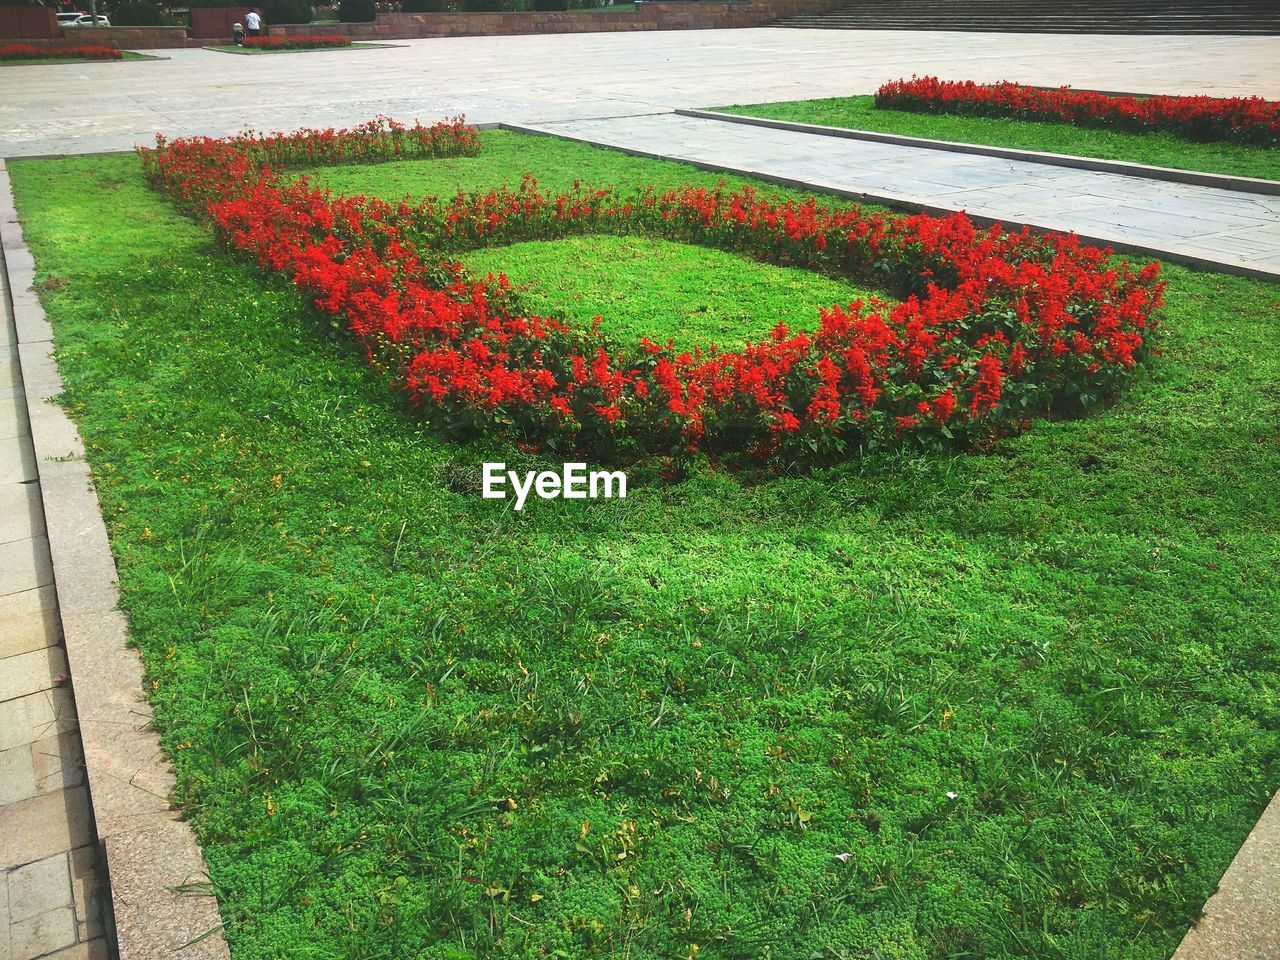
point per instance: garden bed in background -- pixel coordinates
(920, 704)
(1155, 149)
(22, 54)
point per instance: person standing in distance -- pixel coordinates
(252, 23)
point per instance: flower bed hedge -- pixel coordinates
(1250, 120)
(296, 43)
(994, 328)
(24, 51)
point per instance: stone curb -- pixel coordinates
(1242, 919)
(1197, 178)
(153, 860)
(910, 204)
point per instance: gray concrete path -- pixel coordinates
(86, 108)
(52, 899)
(1199, 225)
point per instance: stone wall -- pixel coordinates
(214, 23)
(28, 23)
(127, 38)
(651, 15)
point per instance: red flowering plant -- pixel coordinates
(25, 51)
(1250, 120)
(993, 328)
(296, 43)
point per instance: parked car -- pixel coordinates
(81, 20)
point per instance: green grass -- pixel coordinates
(408, 722)
(126, 55)
(1156, 149)
(690, 294)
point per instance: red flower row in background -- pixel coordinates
(296, 43)
(994, 328)
(25, 51)
(1242, 119)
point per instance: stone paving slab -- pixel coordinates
(1182, 222)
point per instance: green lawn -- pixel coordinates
(726, 712)
(1157, 149)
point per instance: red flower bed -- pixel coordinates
(1242, 119)
(994, 328)
(296, 43)
(24, 51)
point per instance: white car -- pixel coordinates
(81, 20)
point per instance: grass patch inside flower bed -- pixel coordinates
(1154, 149)
(660, 289)
(730, 711)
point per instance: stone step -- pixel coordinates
(1249, 17)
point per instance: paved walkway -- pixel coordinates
(86, 108)
(1222, 227)
(51, 901)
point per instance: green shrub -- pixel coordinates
(287, 11)
(139, 13)
(356, 11)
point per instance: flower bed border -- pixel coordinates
(995, 329)
(297, 43)
(1250, 120)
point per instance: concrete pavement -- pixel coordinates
(87, 108)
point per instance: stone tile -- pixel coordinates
(25, 565)
(58, 762)
(29, 673)
(39, 716)
(29, 621)
(13, 417)
(5, 953)
(92, 950)
(46, 824)
(21, 511)
(41, 935)
(39, 887)
(88, 886)
(17, 460)
(17, 774)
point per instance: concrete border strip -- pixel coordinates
(1242, 919)
(1221, 181)
(160, 890)
(909, 204)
